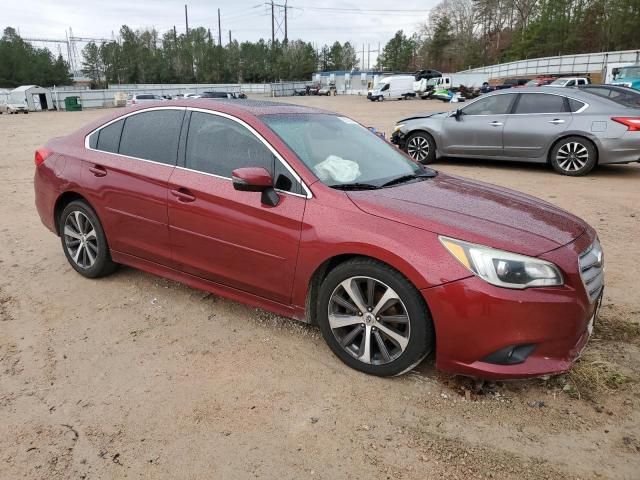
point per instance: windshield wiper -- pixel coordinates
(406, 178)
(354, 186)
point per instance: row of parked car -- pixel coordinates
(135, 99)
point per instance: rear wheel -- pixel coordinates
(84, 242)
(373, 319)
(574, 156)
(421, 147)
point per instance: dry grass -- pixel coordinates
(592, 376)
(617, 324)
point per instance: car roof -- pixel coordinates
(251, 107)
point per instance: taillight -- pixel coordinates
(41, 155)
(632, 123)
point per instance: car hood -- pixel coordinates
(476, 212)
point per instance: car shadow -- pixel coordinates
(631, 170)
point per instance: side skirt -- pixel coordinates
(193, 281)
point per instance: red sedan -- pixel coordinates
(308, 214)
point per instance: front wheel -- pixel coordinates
(573, 156)
(373, 319)
(84, 242)
(421, 147)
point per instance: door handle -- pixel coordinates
(556, 121)
(183, 195)
(496, 124)
(98, 171)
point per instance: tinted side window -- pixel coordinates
(575, 105)
(540, 103)
(152, 135)
(493, 105)
(93, 139)
(218, 145)
(109, 137)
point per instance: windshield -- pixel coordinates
(628, 72)
(561, 81)
(339, 151)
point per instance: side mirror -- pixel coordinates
(256, 179)
(458, 113)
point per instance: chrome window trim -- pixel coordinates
(308, 194)
(580, 110)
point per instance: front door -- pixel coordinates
(477, 130)
(228, 236)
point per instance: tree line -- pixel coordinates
(147, 57)
(23, 64)
(462, 34)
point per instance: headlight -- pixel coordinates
(503, 269)
(398, 127)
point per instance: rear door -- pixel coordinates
(477, 131)
(538, 120)
(228, 236)
(127, 168)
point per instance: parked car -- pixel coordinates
(395, 86)
(310, 215)
(136, 99)
(512, 82)
(540, 81)
(217, 95)
(571, 129)
(570, 82)
(326, 90)
(12, 107)
(626, 96)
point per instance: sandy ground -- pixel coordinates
(139, 377)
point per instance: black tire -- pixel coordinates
(416, 144)
(99, 248)
(573, 156)
(421, 336)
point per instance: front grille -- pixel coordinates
(591, 263)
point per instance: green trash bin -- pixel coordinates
(72, 104)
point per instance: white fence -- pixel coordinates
(566, 64)
(106, 98)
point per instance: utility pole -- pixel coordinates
(229, 36)
(186, 19)
(285, 21)
(175, 36)
(219, 30)
(363, 56)
(368, 56)
(273, 24)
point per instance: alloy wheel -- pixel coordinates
(572, 156)
(418, 148)
(369, 320)
(80, 239)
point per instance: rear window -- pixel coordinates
(109, 137)
(152, 135)
(540, 103)
(624, 98)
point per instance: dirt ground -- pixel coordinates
(139, 377)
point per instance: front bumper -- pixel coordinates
(474, 319)
(398, 138)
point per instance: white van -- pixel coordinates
(396, 86)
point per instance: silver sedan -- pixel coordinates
(573, 130)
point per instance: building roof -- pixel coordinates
(24, 88)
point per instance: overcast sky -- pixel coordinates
(318, 22)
